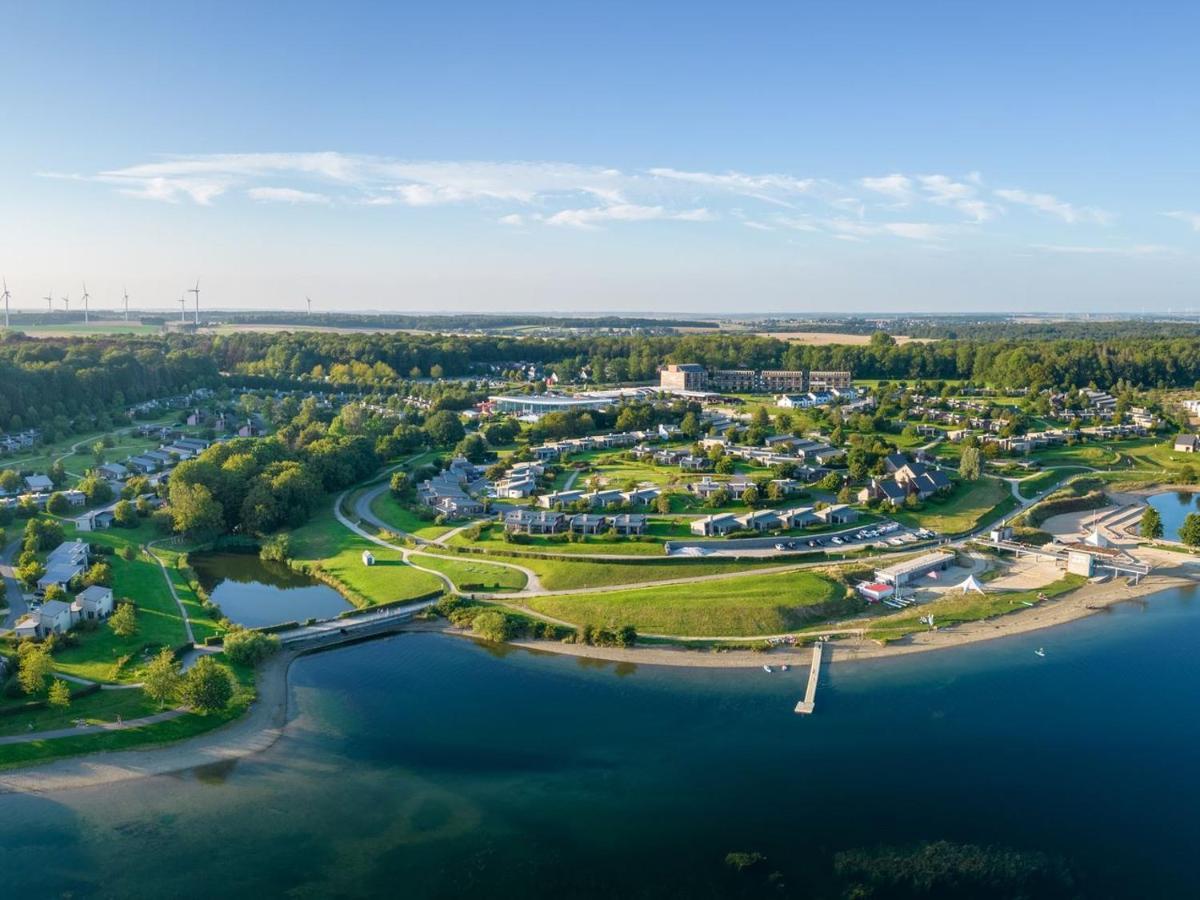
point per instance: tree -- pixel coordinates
(690, 426)
(1190, 532)
(493, 625)
(398, 483)
(98, 573)
(161, 679)
(60, 694)
(57, 473)
(750, 496)
(57, 504)
(124, 514)
(970, 464)
(29, 573)
(472, 447)
(54, 592)
(207, 686)
(725, 465)
(97, 490)
(1152, 526)
(249, 648)
(662, 503)
(10, 481)
(195, 511)
(123, 621)
(444, 428)
(35, 667)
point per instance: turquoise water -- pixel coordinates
(255, 592)
(428, 766)
(1173, 507)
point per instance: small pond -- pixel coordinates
(1173, 507)
(255, 592)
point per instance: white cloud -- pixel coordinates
(1051, 205)
(1190, 218)
(625, 212)
(777, 189)
(961, 195)
(284, 195)
(898, 187)
(513, 219)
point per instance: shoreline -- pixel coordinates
(267, 718)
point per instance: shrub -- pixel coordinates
(249, 648)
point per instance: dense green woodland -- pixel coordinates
(1142, 361)
(45, 381)
(48, 380)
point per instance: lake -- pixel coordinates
(256, 592)
(1173, 507)
(424, 765)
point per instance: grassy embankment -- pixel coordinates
(969, 506)
(745, 606)
(177, 729)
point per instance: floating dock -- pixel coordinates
(805, 706)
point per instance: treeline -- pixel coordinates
(382, 358)
(52, 384)
(465, 322)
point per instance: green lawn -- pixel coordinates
(401, 518)
(969, 505)
(742, 607)
(328, 548)
(101, 655)
(97, 708)
(1033, 485)
(961, 608)
(571, 574)
(185, 726)
(471, 574)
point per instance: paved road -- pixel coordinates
(13, 595)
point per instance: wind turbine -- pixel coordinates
(86, 297)
(126, 293)
(66, 302)
(183, 307)
(49, 302)
(308, 300)
(196, 291)
(7, 297)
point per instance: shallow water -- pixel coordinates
(1173, 507)
(428, 766)
(255, 592)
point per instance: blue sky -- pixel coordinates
(693, 157)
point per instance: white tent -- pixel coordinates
(970, 585)
(1096, 539)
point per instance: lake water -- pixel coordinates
(428, 766)
(1173, 507)
(255, 592)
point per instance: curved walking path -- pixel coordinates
(362, 509)
(187, 624)
(255, 731)
(164, 716)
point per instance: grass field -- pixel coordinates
(470, 574)
(100, 707)
(330, 549)
(100, 655)
(970, 505)
(735, 607)
(186, 726)
(403, 519)
(961, 608)
(1044, 480)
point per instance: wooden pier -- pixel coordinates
(805, 706)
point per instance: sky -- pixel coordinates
(653, 158)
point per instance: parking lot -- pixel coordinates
(878, 535)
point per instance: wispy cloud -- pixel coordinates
(285, 195)
(592, 216)
(1189, 218)
(1048, 203)
(928, 208)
